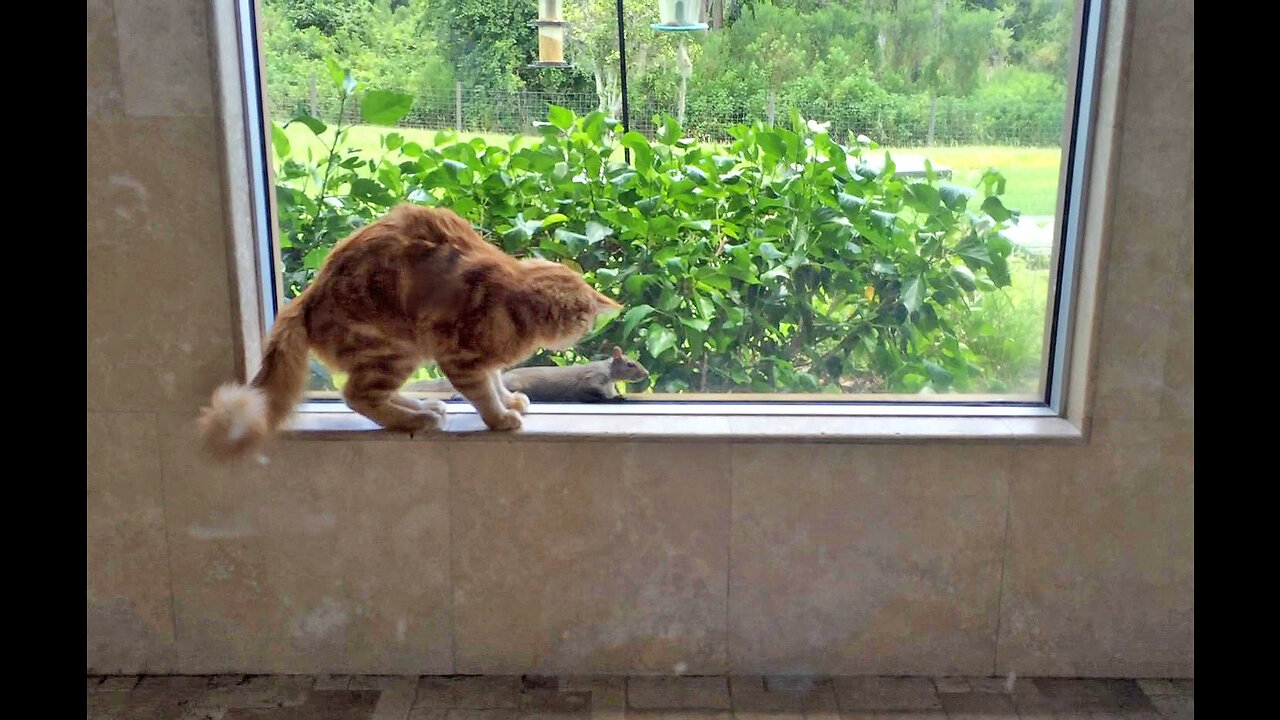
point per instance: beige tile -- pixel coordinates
(1133, 346)
(694, 714)
(894, 715)
(333, 682)
(977, 706)
(865, 559)
(678, 693)
(1155, 687)
(1162, 63)
(103, 63)
(331, 558)
(1100, 568)
(602, 556)
(164, 57)
(477, 692)
(471, 714)
(952, 685)
(1150, 227)
(552, 703)
(608, 694)
(119, 683)
(810, 696)
(1178, 398)
(396, 698)
(265, 691)
(1151, 216)
(129, 626)
(158, 303)
(872, 693)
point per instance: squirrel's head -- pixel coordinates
(624, 368)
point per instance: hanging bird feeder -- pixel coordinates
(678, 15)
(551, 35)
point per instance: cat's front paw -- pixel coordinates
(518, 402)
(508, 420)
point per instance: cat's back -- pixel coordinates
(413, 254)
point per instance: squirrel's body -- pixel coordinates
(587, 383)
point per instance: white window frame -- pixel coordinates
(1081, 224)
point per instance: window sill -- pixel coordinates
(553, 423)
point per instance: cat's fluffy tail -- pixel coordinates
(240, 417)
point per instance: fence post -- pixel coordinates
(457, 105)
(315, 101)
(773, 103)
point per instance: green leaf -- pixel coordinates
(573, 241)
(696, 323)
(597, 232)
(336, 73)
(955, 197)
(768, 250)
(939, 375)
(635, 283)
(697, 174)
(964, 278)
(773, 146)
(641, 152)
(851, 204)
(314, 125)
(314, 259)
(996, 209)
(922, 197)
(974, 250)
(880, 267)
(913, 293)
(382, 107)
(561, 117)
(659, 339)
(279, 141)
(717, 279)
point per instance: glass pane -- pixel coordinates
(819, 200)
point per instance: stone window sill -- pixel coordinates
(567, 422)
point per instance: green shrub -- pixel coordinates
(780, 262)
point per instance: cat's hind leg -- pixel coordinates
(372, 390)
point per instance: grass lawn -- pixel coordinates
(1032, 173)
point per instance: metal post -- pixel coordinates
(457, 105)
(622, 62)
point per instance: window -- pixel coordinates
(843, 208)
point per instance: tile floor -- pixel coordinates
(390, 697)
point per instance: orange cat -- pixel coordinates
(418, 285)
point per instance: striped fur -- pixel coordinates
(419, 285)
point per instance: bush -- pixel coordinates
(778, 263)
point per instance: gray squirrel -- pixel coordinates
(587, 383)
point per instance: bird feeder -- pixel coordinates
(678, 15)
(551, 35)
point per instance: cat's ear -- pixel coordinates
(617, 353)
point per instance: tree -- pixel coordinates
(593, 45)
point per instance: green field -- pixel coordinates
(1032, 173)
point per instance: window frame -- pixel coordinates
(1060, 413)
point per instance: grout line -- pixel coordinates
(1004, 560)
(453, 622)
(728, 572)
(168, 549)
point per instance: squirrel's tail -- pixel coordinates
(240, 417)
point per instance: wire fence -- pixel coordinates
(914, 123)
